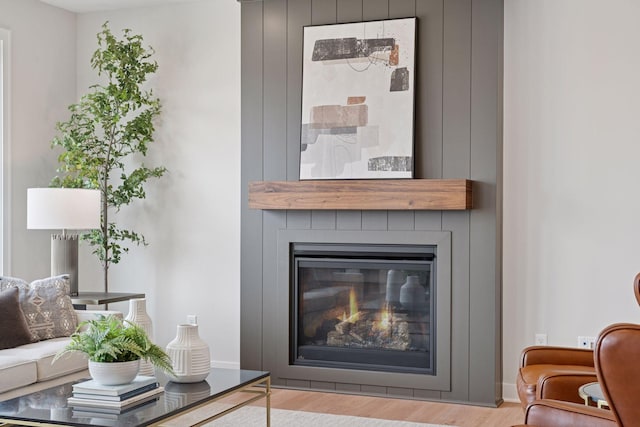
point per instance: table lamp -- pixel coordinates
(65, 209)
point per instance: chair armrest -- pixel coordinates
(555, 413)
(548, 355)
(84, 315)
(563, 385)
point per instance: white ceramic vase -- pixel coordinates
(139, 316)
(395, 279)
(412, 294)
(114, 373)
(190, 357)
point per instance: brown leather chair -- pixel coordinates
(616, 361)
(548, 372)
(553, 373)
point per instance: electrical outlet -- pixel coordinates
(541, 339)
(586, 342)
(192, 319)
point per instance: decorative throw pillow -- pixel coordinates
(46, 305)
(13, 326)
(7, 282)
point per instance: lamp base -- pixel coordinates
(64, 258)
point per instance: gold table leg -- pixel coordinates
(269, 401)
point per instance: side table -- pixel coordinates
(83, 299)
(592, 392)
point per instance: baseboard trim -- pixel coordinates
(510, 393)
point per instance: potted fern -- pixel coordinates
(114, 348)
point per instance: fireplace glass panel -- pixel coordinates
(364, 307)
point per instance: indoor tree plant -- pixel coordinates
(110, 128)
(108, 340)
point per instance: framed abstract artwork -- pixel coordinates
(358, 100)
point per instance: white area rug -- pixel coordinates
(251, 416)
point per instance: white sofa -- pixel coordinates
(32, 363)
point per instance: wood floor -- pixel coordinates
(508, 414)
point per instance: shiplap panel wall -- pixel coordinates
(458, 134)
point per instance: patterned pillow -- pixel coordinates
(46, 305)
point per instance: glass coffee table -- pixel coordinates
(49, 407)
(591, 392)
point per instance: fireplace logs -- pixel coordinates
(367, 332)
(348, 325)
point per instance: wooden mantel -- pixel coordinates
(388, 194)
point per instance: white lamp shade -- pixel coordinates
(63, 208)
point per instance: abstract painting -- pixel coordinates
(358, 100)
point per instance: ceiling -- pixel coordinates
(83, 6)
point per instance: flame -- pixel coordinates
(385, 318)
(353, 303)
(354, 314)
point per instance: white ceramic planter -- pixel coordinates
(114, 373)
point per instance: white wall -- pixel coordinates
(43, 79)
(191, 216)
(571, 149)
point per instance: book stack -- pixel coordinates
(91, 397)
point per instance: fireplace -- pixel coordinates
(337, 316)
(363, 306)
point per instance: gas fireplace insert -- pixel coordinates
(363, 306)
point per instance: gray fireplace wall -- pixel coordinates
(458, 134)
